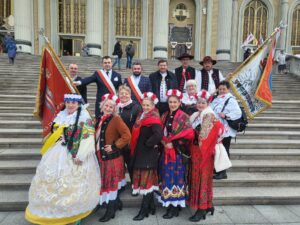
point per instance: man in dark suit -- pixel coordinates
(161, 81)
(73, 70)
(138, 81)
(185, 72)
(107, 80)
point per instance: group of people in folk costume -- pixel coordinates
(164, 128)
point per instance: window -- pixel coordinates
(128, 18)
(72, 16)
(180, 12)
(5, 10)
(295, 40)
(255, 20)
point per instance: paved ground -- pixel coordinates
(224, 215)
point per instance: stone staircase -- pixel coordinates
(266, 159)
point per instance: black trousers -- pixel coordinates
(127, 161)
(226, 142)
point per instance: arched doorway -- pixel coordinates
(295, 38)
(71, 26)
(128, 23)
(255, 21)
(181, 27)
(6, 21)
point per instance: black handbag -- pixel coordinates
(240, 124)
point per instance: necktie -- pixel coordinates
(182, 81)
(107, 73)
(163, 90)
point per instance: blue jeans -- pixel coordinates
(118, 60)
(129, 61)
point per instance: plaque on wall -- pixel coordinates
(180, 34)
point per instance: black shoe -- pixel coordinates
(210, 210)
(134, 195)
(171, 212)
(221, 175)
(199, 215)
(109, 213)
(144, 211)
(142, 214)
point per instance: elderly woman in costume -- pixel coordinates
(128, 111)
(230, 111)
(112, 135)
(208, 130)
(146, 135)
(189, 98)
(178, 133)
(66, 186)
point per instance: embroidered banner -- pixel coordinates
(51, 89)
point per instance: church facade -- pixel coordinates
(158, 28)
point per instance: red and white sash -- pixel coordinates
(107, 82)
(135, 89)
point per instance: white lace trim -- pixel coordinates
(180, 203)
(111, 195)
(144, 191)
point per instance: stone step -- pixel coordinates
(265, 166)
(265, 144)
(21, 133)
(19, 116)
(283, 135)
(15, 200)
(235, 154)
(264, 154)
(29, 166)
(273, 127)
(20, 143)
(235, 179)
(20, 124)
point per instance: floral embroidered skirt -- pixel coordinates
(200, 181)
(112, 177)
(172, 187)
(144, 181)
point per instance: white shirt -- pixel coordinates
(136, 79)
(104, 72)
(188, 100)
(281, 59)
(232, 111)
(211, 84)
(163, 88)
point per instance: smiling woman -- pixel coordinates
(68, 190)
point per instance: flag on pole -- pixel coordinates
(249, 38)
(264, 89)
(51, 89)
(252, 81)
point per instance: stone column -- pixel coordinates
(284, 15)
(208, 27)
(23, 25)
(41, 25)
(234, 31)
(94, 27)
(224, 29)
(160, 29)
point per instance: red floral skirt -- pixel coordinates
(201, 181)
(112, 178)
(144, 181)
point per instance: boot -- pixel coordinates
(152, 207)
(200, 214)
(144, 211)
(220, 175)
(110, 212)
(119, 204)
(171, 212)
(211, 210)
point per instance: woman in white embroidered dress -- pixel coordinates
(66, 186)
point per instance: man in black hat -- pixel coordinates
(208, 78)
(185, 72)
